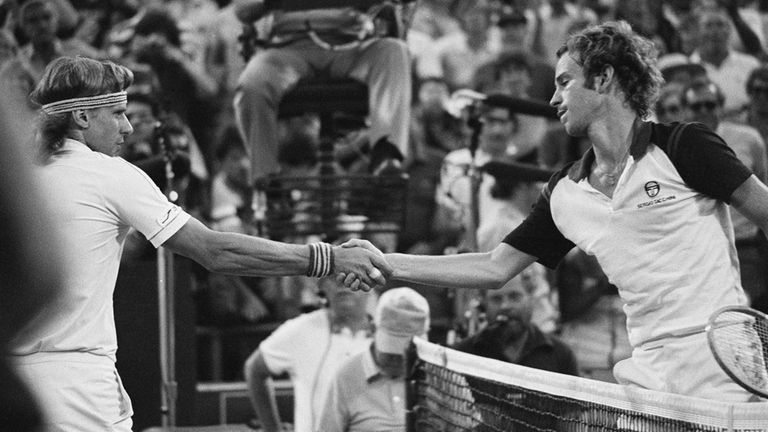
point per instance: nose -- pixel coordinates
(126, 128)
(555, 100)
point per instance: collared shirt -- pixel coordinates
(540, 351)
(665, 238)
(305, 348)
(96, 199)
(363, 399)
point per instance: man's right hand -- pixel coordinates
(360, 262)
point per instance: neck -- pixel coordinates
(611, 139)
(45, 50)
(714, 56)
(513, 349)
(354, 321)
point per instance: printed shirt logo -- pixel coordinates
(652, 188)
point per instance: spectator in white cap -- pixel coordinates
(368, 390)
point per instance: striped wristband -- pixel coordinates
(320, 260)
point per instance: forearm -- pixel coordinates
(263, 400)
(243, 255)
(473, 270)
(238, 254)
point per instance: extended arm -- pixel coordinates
(243, 255)
(488, 270)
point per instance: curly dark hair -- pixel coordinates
(632, 57)
(68, 78)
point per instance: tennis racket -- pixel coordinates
(738, 338)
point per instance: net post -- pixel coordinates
(411, 390)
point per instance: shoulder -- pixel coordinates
(311, 320)
(672, 137)
(744, 59)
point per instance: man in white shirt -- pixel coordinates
(728, 68)
(67, 352)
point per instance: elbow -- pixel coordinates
(496, 283)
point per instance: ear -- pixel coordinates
(80, 118)
(604, 80)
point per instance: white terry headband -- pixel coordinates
(88, 102)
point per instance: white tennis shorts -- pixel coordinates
(682, 365)
(77, 392)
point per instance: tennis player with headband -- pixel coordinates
(67, 355)
(648, 200)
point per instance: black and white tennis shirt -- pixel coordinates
(665, 238)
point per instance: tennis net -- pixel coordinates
(454, 391)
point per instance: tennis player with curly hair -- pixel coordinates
(649, 201)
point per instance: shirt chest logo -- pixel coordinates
(652, 188)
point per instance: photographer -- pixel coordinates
(306, 39)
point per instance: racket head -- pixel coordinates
(738, 339)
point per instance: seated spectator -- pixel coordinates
(511, 336)
(309, 348)
(367, 392)
(301, 43)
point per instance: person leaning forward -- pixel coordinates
(648, 200)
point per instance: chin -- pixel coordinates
(574, 130)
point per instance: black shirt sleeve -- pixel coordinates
(704, 161)
(537, 235)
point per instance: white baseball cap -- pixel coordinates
(401, 313)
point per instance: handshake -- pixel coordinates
(359, 265)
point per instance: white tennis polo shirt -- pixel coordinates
(96, 199)
(665, 239)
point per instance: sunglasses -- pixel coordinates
(708, 105)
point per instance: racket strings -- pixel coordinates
(741, 342)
